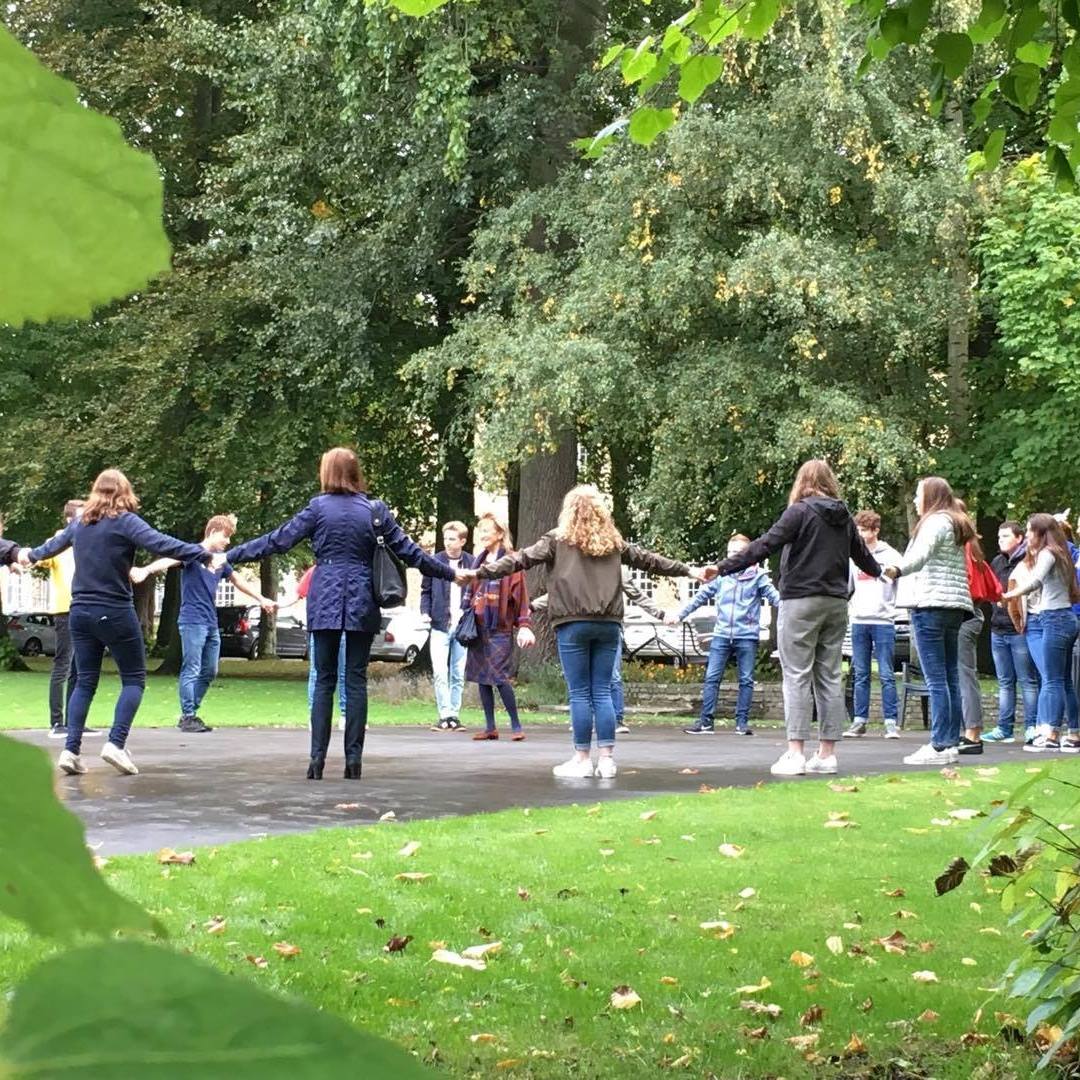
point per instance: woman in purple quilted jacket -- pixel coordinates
(343, 524)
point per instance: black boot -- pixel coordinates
(315, 768)
(352, 770)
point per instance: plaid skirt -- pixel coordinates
(491, 659)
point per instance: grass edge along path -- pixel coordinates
(630, 939)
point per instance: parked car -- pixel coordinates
(33, 633)
(403, 636)
(239, 627)
(645, 638)
(902, 652)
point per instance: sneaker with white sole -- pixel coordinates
(58, 731)
(857, 730)
(892, 731)
(605, 768)
(997, 736)
(70, 763)
(118, 758)
(817, 764)
(621, 729)
(1042, 743)
(574, 769)
(927, 755)
(791, 763)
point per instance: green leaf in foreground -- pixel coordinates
(137, 1010)
(698, 74)
(80, 217)
(47, 878)
(418, 8)
(647, 123)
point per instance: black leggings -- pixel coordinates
(487, 700)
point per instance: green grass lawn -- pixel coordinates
(589, 898)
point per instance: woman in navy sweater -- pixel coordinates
(104, 541)
(342, 523)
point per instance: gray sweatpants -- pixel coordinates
(967, 661)
(810, 632)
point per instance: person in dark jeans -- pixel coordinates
(104, 540)
(345, 527)
(1012, 657)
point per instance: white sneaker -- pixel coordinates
(605, 767)
(118, 759)
(817, 764)
(927, 755)
(892, 731)
(70, 763)
(791, 763)
(621, 729)
(574, 769)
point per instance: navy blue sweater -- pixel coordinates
(104, 553)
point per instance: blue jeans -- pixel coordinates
(341, 692)
(95, 628)
(937, 640)
(202, 650)
(328, 644)
(879, 639)
(1051, 635)
(1013, 664)
(448, 657)
(618, 699)
(588, 651)
(744, 653)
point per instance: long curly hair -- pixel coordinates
(586, 523)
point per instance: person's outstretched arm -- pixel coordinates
(768, 590)
(653, 563)
(542, 552)
(704, 595)
(264, 602)
(139, 574)
(408, 550)
(58, 543)
(277, 542)
(149, 539)
(928, 540)
(637, 596)
(9, 552)
(782, 532)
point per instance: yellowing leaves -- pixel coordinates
(283, 948)
(835, 944)
(753, 988)
(410, 849)
(924, 976)
(453, 959)
(624, 997)
(412, 877)
(731, 851)
(167, 857)
(721, 929)
(647, 815)
(801, 959)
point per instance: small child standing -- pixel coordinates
(736, 635)
(200, 638)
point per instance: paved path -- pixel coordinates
(237, 783)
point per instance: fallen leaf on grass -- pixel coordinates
(965, 815)
(258, 961)
(974, 1038)
(523, 894)
(363, 855)
(841, 823)
(593, 810)
(867, 1005)
(478, 952)
(896, 893)
(747, 893)
(928, 1016)
(410, 849)
(688, 838)
(347, 806)
(400, 1003)
(754, 989)
(855, 1046)
(411, 877)
(444, 956)
(647, 815)
(283, 948)
(924, 976)
(801, 959)
(940, 822)
(835, 944)
(916, 832)
(668, 980)
(812, 1015)
(804, 1042)
(509, 1063)
(731, 851)
(606, 851)
(902, 914)
(950, 773)
(894, 943)
(993, 771)
(990, 930)
(682, 1062)
(433, 945)
(482, 1037)
(397, 944)
(843, 789)
(967, 961)
(756, 1033)
(388, 816)
(705, 790)
(724, 930)
(773, 1012)
(624, 997)
(216, 924)
(167, 856)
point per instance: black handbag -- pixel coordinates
(387, 571)
(466, 631)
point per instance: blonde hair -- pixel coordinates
(505, 539)
(458, 527)
(110, 497)
(586, 523)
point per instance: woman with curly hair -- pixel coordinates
(584, 554)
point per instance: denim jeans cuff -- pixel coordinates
(606, 744)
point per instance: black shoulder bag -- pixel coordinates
(387, 571)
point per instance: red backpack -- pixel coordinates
(982, 581)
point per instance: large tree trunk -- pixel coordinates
(454, 492)
(167, 645)
(545, 479)
(144, 606)
(268, 585)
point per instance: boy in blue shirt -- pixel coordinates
(200, 638)
(736, 635)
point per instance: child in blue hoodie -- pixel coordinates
(736, 635)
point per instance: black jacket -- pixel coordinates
(435, 593)
(818, 537)
(1004, 566)
(8, 550)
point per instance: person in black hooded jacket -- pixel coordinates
(817, 536)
